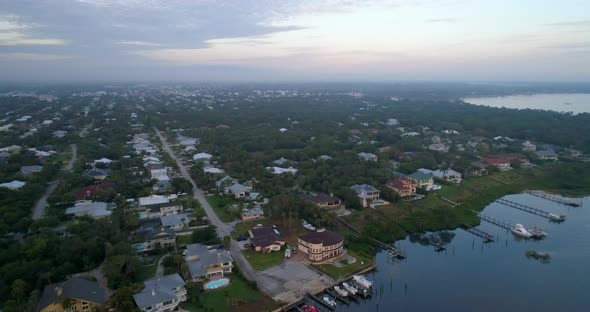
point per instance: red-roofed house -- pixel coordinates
(500, 163)
(92, 190)
(404, 186)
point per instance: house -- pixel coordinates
(279, 170)
(206, 262)
(225, 181)
(237, 190)
(423, 180)
(160, 209)
(96, 210)
(163, 293)
(367, 156)
(92, 190)
(212, 170)
(500, 163)
(449, 175)
(323, 200)
(320, 247)
(266, 239)
(202, 156)
(325, 157)
(28, 171)
(104, 161)
(515, 157)
(83, 295)
(438, 147)
(160, 174)
(546, 155)
(366, 193)
(253, 213)
(13, 185)
(477, 168)
(527, 146)
(404, 186)
(154, 239)
(144, 202)
(97, 173)
(175, 222)
(280, 161)
(59, 133)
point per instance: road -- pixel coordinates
(41, 204)
(222, 228)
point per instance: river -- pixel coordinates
(560, 102)
(473, 276)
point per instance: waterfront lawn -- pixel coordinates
(221, 205)
(239, 296)
(262, 261)
(362, 262)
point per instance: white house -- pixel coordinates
(162, 293)
(202, 156)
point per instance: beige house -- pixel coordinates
(266, 239)
(320, 247)
(204, 262)
(83, 295)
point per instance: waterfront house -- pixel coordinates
(423, 180)
(82, 295)
(265, 239)
(323, 200)
(500, 163)
(322, 246)
(163, 293)
(546, 155)
(449, 175)
(527, 146)
(477, 168)
(366, 193)
(402, 185)
(206, 262)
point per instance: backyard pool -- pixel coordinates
(222, 282)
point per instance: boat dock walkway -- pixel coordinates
(529, 209)
(556, 199)
(392, 249)
(492, 220)
(487, 238)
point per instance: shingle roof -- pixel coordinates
(73, 288)
(158, 289)
(327, 238)
(199, 257)
(264, 236)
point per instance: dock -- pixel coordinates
(320, 301)
(337, 296)
(398, 253)
(532, 210)
(487, 238)
(555, 199)
(492, 220)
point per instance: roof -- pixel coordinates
(159, 233)
(236, 188)
(264, 236)
(158, 290)
(175, 219)
(199, 257)
(363, 188)
(96, 172)
(319, 198)
(73, 288)
(420, 176)
(202, 156)
(547, 153)
(91, 190)
(280, 161)
(256, 211)
(94, 209)
(327, 238)
(279, 170)
(15, 184)
(155, 199)
(401, 183)
(27, 170)
(494, 160)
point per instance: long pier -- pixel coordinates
(487, 238)
(392, 249)
(529, 209)
(492, 220)
(554, 198)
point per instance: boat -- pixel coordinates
(329, 301)
(518, 229)
(351, 289)
(309, 308)
(537, 232)
(362, 281)
(556, 217)
(341, 291)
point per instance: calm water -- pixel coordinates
(473, 276)
(562, 102)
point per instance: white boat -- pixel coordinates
(341, 291)
(351, 289)
(537, 232)
(362, 281)
(556, 217)
(329, 300)
(518, 229)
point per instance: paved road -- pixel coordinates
(222, 228)
(160, 264)
(41, 204)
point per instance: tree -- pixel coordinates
(122, 299)
(181, 185)
(206, 236)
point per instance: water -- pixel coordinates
(222, 282)
(561, 102)
(473, 276)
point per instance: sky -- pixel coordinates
(298, 40)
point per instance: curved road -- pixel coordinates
(41, 204)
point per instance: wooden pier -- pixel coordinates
(492, 220)
(532, 210)
(398, 253)
(487, 238)
(555, 199)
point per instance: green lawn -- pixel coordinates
(238, 296)
(183, 240)
(260, 261)
(336, 273)
(221, 206)
(145, 272)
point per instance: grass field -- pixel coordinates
(221, 205)
(362, 262)
(260, 261)
(238, 296)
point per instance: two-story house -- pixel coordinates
(423, 180)
(321, 246)
(83, 295)
(404, 186)
(154, 239)
(206, 262)
(366, 193)
(161, 294)
(323, 200)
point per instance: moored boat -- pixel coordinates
(341, 291)
(518, 229)
(329, 300)
(351, 289)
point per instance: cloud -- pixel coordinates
(441, 20)
(13, 32)
(138, 43)
(39, 57)
(580, 23)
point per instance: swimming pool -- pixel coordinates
(222, 282)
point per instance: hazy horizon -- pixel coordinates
(295, 41)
